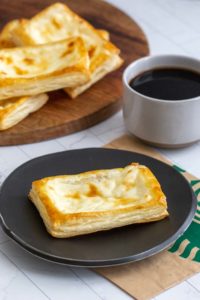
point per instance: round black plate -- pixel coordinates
(21, 221)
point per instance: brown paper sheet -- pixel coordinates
(147, 278)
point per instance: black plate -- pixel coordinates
(21, 221)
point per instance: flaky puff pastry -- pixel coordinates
(42, 68)
(7, 33)
(98, 200)
(14, 110)
(9, 37)
(58, 22)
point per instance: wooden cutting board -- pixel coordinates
(61, 115)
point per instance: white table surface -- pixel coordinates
(172, 26)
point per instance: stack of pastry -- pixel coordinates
(56, 49)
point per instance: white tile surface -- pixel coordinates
(15, 285)
(188, 158)
(166, 46)
(183, 291)
(113, 123)
(100, 285)
(195, 281)
(56, 281)
(83, 139)
(42, 148)
(11, 157)
(172, 26)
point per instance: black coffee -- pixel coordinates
(167, 84)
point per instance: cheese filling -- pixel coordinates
(99, 191)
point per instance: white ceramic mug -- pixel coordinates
(163, 123)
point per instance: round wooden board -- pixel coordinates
(61, 115)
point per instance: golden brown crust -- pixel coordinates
(104, 34)
(6, 35)
(14, 110)
(97, 73)
(124, 211)
(57, 22)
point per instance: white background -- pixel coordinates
(172, 26)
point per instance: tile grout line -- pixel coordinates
(25, 274)
(60, 144)
(175, 16)
(86, 284)
(98, 138)
(105, 131)
(198, 290)
(102, 141)
(166, 36)
(24, 152)
(71, 146)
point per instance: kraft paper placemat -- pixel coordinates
(147, 278)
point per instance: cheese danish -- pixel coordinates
(36, 69)
(72, 205)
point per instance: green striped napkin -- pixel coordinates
(188, 245)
